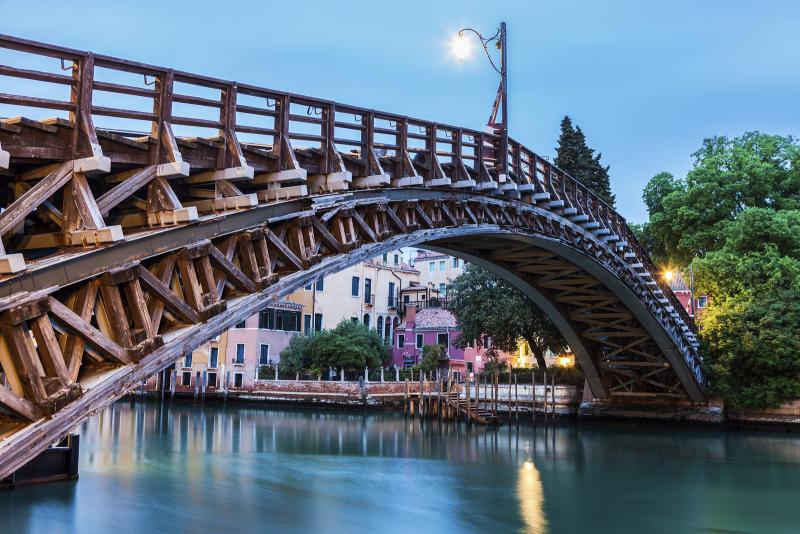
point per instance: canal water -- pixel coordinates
(148, 467)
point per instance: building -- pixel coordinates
(428, 322)
(234, 359)
(368, 292)
(437, 270)
(684, 293)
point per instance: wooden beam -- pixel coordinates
(90, 334)
(234, 275)
(135, 181)
(31, 199)
(18, 405)
(84, 306)
(164, 294)
(49, 351)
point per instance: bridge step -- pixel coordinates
(579, 218)
(599, 232)
(611, 238)
(541, 196)
(556, 204)
(567, 212)
(591, 225)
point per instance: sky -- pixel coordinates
(646, 81)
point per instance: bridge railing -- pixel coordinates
(136, 97)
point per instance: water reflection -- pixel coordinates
(152, 467)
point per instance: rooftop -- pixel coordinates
(435, 318)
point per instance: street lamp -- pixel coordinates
(462, 49)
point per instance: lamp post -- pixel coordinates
(461, 51)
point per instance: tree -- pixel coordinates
(351, 346)
(575, 157)
(688, 217)
(736, 218)
(487, 306)
(431, 354)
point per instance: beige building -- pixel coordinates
(368, 292)
(437, 270)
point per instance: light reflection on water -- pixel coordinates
(182, 468)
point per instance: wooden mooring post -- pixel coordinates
(544, 391)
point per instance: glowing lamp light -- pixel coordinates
(461, 48)
(565, 360)
(668, 276)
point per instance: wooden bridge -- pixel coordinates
(146, 210)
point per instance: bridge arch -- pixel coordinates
(162, 241)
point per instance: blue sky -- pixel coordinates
(647, 81)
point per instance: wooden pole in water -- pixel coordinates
(533, 396)
(405, 398)
(516, 400)
(468, 384)
(544, 386)
(553, 404)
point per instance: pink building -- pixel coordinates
(684, 294)
(433, 324)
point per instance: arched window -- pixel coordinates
(388, 328)
(366, 320)
(379, 325)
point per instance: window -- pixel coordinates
(237, 380)
(263, 319)
(442, 339)
(406, 298)
(213, 357)
(455, 263)
(470, 343)
(212, 380)
(368, 290)
(186, 379)
(442, 266)
(354, 320)
(702, 302)
(443, 289)
(366, 320)
(241, 324)
(397, 259)
(320, 284)
(239, 353)
(432, 267)
(385, 258)
(187, 360)
(420, 341)
(392, 296)
(317, 322)
(308, 286)
(263, 356)
(401, 341)
(307, 324)
(485, 342)
(355, 284)
(379, 326)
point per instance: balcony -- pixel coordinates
(369, 300)
(433, 302)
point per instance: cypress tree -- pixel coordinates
(574, 156)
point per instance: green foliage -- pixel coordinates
(736, 217)
(689, 217)
(431, 354)
(486, 305)
(753, 348)
(493, 364)
(350, 345)
(575, 157)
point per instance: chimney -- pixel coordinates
(411, 314)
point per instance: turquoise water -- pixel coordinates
(182, 468)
